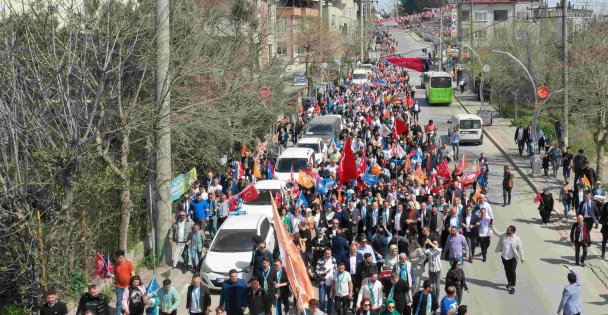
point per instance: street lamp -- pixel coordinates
(535, 159)
(484, 68)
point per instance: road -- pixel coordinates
(541, 278)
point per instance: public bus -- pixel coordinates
(438, 87)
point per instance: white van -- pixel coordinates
(470, 127)
(296, 158)
(232, 248)
(263, 205)
(360, 76)
(317, 144)
(326, 127)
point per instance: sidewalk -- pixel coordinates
(500, 133)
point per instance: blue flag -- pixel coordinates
(370, 179)
(301, 201)
(322, 187)
(481, 180)
(152, 286)
(337, 143)
(417, 157)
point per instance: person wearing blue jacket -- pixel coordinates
(198, 210)
(233, 296)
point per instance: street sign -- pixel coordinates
(300, 80)
(542, 92)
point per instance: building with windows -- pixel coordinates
(475, 18)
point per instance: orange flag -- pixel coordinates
(587, 182)
(292, 261)
(420, 175)
(256, 169)
(243, 149)
(477, 193)
(305, 180)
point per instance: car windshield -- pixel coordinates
(441, 82)
(360, 76)
(321, 129)
(284, 165)
(470, 124)
(233, 241)
(264, 198)
(314, 146)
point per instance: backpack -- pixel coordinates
(136, 300)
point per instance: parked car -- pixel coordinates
(470, 127)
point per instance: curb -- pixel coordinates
(598, 268)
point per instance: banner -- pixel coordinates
(347, 169)
(181, 183)
(294, 265)
(416, 64)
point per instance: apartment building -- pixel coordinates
(476, 18)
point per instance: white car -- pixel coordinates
(232, 248)
(317, 144)
(263, 205)
(470, 128)
(296, 158)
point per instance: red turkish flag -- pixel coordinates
(363, 164)
(400, 126)
(250, 193)
(101, 267)
(347, 169)
(443, 170)
(462, 165)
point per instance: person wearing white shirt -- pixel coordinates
(484, 229)
(371, 288)
(342, 290)
(484, 204)
(511, 249)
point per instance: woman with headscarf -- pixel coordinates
(390, 308)
(392, 258)
(546, 206)
(456, 278)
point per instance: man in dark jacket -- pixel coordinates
(282, 287)
(398, 290)
(267, 277)
(339, 245)
(578, 164)
(93, 301)
(366, 268)
(589, 172)
(579, 235)
(258, 300)
(260, 253)
(233, 297)
(380, 241)
(198, 300)
(53, 306)
(422, 298)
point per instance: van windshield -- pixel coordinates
(284, 165)
(321, 129)
(470, 124)
(264, 198)
(360, 76)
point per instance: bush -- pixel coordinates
(148, 261)
(12, 309)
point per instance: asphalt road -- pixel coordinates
(540, 280)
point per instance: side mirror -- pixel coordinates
(449, 121)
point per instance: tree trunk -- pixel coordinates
(600, 142)
(125, 214)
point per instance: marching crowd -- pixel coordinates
(367, 243)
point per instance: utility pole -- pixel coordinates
(163, 128)
(471, 23)
(440, 67)
(565, 69)
(361, 39)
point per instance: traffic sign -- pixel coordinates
(542, 92)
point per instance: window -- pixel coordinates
(464, 15)
(300, 51)
(480, 34)
(297, 24)
(281, 24)
(441, 82)
(281, 49)
(233, 241)
(285, 165)
(333, 20)
(501, 15)
(264, 198)
(470, 124)
(480, 17)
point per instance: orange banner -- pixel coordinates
(292, 261)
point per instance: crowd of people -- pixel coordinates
(371, 246)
